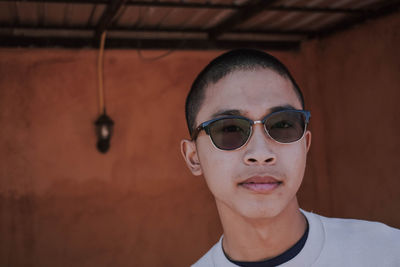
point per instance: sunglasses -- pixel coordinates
(233, 132)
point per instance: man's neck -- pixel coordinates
(260, 239)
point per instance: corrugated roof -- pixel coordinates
(178, 24)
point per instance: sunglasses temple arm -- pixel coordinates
(196, 132)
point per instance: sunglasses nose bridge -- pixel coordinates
(262, 122)
(257, 122)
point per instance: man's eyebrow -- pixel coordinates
(228, 112)
(237, 112)
(279, 108)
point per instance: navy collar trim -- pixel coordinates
(278, 260)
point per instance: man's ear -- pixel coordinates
(308, 140)
(189, 153)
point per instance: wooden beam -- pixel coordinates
(171, 4)
(240, 16)
(266, 32)
(175, 44)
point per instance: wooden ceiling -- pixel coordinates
(178, 24)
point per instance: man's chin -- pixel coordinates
(264, 210)
(250, 211)
(260, 213)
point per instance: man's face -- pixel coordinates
(230, 174)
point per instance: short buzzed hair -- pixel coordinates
(239, 59)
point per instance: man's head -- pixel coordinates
(240, 59)
(259, 178)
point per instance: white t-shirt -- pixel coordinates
(334, 242)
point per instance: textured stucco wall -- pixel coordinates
(64, 204)
(352, 86)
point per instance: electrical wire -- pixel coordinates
(139, 50)
(100, 73)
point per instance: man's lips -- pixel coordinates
(261, 184)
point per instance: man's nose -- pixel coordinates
(258, 148)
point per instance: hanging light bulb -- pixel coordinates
(104, 124)
(104, 129)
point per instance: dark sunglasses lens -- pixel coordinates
(286, 126)
(230, 134)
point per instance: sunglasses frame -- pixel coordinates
(206, 126)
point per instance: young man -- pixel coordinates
(248, 125)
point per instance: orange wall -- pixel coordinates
(352, 84)
(64, 204)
